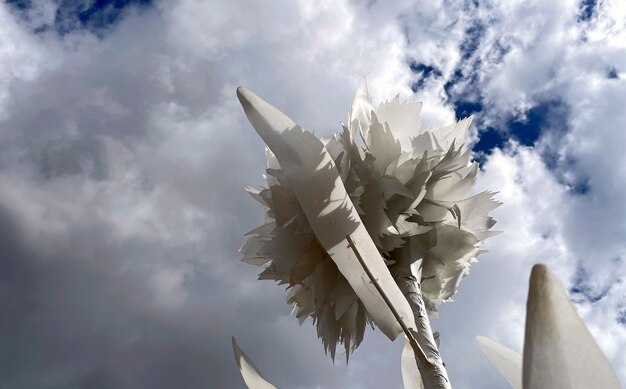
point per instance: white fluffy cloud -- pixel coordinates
(123, 161)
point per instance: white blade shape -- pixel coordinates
(311, 173)
(559, 351)
(359, 117)
(411, 376)
(507, 361)
(249, 371)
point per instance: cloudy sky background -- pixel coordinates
(124, 154)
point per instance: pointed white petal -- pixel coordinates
(425, 142)
(475, 214)
(456, 132)
(410, 373)
(285, 204)
(559, 351)
(507, 361)
(271, 164)
(454, 185)
(383, 145)
(249, 371)
(447, 262)
(402, 118)
(360, 114)
(373, 203)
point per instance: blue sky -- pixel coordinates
(69, 15)
(124, 154)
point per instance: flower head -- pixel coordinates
(415, 205)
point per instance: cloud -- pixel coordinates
(124, 153)
(124, 159)
(557, 57)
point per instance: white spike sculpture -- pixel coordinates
(411, 377)
(559, 351)
(338, 216)
(249, 371)
(505, 360)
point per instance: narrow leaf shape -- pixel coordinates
(559, 351)
(411, 377)
(359, 117)
(315, 181)
(507, 361)
(249, 371)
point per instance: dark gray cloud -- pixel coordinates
(123, 168)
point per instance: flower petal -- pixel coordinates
(505, 360)
(402, 117)
(249, 371)
(360, 114)
(411, 377)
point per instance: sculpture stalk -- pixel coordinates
(433, 371)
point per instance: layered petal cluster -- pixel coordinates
(415, 205)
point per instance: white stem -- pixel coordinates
(433, 372)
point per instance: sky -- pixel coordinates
(124, 155)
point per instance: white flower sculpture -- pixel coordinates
(415, 205)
